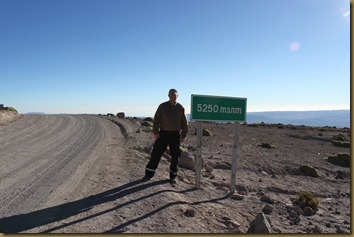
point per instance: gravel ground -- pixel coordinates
(81, 174)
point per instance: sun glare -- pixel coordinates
(294, 46)
(346, 14)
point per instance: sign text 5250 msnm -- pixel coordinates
(209, 108)
(217, 108)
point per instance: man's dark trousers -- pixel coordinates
(171, 139)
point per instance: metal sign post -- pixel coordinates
(198, 160)
(217, 108)
(234, 158)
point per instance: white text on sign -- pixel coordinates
(209, 108)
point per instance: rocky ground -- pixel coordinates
(276, 163)
(269, 179)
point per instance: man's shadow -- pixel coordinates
(23, 222)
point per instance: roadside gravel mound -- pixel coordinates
(7, 116)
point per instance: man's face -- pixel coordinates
(173, 97)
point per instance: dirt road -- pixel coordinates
(46, 159)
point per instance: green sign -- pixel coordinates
(218, 108)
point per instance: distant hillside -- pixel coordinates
(338, 118)
(35, 113)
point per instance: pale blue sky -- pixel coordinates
(109, 56)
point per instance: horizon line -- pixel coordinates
(312, 110)
(269, 111)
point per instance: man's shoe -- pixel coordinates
(146, 178)
(173, 182)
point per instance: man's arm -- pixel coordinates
(184, 125)
(156, 122)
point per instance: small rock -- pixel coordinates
(309, 171)
(294, 218)
(297, 209)
(229, 222)
(317, 230)
(265, 145)
(293, 214)
(294, 221)
(340, 230)
(267, 209)
(267, 199)
(339, 137)
(237, 197)
(340, 175)
(234, 224)
(259, 225)
(186, 160)
(146, 124)
(206, 133)
(341, 159)
(222, 165)
(189, 212)
(225, 218)
(308, 211)
(277, 230)
(208, 168)
(241, 189)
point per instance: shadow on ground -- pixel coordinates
(24, 222)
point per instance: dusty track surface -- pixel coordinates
(46, 160)
(81, 174)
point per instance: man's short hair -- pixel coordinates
(171, 91)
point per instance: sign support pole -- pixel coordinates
(234, 158)
(198, 161)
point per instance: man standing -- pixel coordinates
(170, 128)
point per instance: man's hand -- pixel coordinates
(182, 139)
(156, 136)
